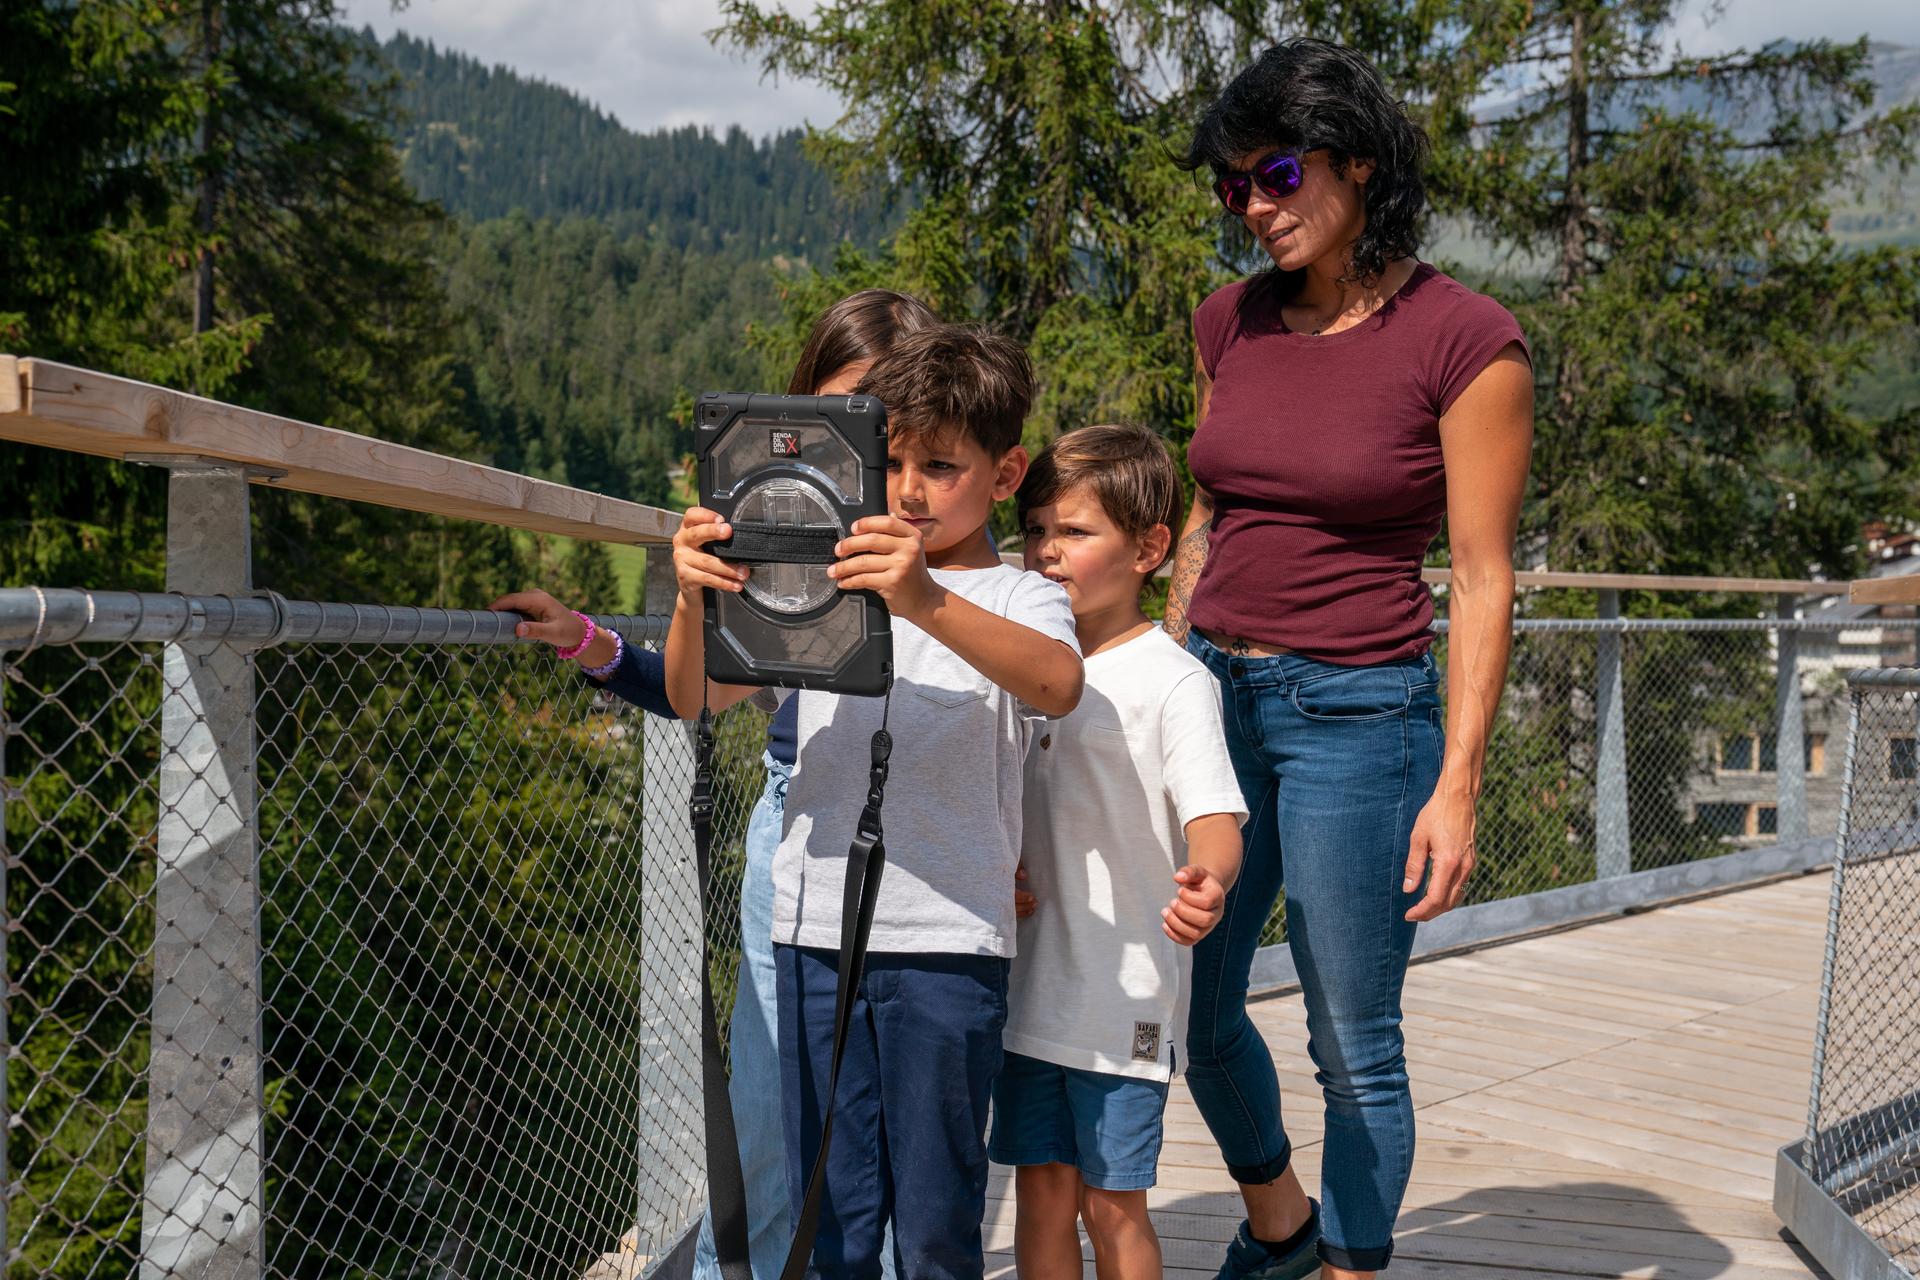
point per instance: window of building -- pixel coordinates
(1760, 753)
(1721, 819)
(1732, 821)
(1902, 763)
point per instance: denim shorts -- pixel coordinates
(1107, 1126)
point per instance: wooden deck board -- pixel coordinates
(1604, 1101)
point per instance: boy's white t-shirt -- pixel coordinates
(1110, 790)
(952, 813)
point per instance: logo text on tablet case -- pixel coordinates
(786, 444)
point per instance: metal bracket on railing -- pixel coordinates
(282, 619)
(40, 618)
(201, 462)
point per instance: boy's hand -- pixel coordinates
(693, 566)
(1024, 903)
(547, 618)
(886, 555)
(1196, 907)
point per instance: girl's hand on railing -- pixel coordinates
(547, 618)
(550, 621)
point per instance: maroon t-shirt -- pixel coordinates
(1322, 455)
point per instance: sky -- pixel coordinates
(649, 62)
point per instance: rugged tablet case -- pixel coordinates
(792, 474)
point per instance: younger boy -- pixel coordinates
(980, 651)
(1128, 797)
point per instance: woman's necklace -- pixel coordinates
(1361, 305)
(1320, 326)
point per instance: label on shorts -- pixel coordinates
(1146, 1041)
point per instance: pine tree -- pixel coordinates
(1696, 329)
(1034, 137)
(93, 103)
(307, 230)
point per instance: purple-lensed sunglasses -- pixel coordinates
(1279, 175)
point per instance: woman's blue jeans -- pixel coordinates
(1334, 764)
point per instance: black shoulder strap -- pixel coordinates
(866, 859)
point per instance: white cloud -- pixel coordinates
(1714, 28)
(649, 62)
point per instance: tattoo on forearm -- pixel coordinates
(1188, 559)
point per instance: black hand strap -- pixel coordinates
(764, 542)
(866, 859)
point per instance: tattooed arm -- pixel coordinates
(1190, 553)
(1188, 558)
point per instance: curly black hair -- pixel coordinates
(1310, 93)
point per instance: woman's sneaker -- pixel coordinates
(1248, 1259)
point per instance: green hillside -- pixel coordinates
(597, 276)
(600, 276)
(485, 142)
(576, 341)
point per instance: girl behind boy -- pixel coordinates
(1129, 795)
(843, 344)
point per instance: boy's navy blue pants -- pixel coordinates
(909, 1136)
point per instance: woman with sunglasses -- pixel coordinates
(1349, 398)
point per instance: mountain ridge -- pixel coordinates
(484, 141)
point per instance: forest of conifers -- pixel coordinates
(530, 282)
(245, 199)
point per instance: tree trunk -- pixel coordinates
(1049, 252)
(1573, 220)
(206, 218)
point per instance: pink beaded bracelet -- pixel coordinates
(568, 655)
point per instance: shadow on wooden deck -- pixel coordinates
(1601, 1102)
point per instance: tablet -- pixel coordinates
(792, 474)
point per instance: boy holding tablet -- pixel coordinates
(981, 651)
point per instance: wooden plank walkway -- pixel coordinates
(1601, 1102)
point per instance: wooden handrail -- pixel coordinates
(1904, 589)
(1659, 582)
(45, 403)
(1625, 582)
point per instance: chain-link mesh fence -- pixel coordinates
(1627, 745)
(346, 941)
(450, 1026)
(1863, 1140)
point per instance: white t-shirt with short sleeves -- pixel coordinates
(952, 813)
(1110, 791)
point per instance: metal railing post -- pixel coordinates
(6, 980)
(203, 1209)
(1612, 843)
(1789, 731)
(671, 1108)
